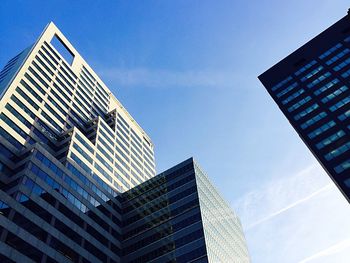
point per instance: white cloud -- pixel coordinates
(297, 218)
(280, 194)
(284, 209)
(339, 247)
(158, 78)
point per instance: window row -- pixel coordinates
(299, 104)
(293, 96)
(286, 90)
(330, 51)
(334, 94)
(342, 65)
(313, 120)
(306, 111)
(280, 84)
(319, 79)
(330, 139)
(338, 56)
(306, 67)
(338, 151)
(326, 86)
(312, 73)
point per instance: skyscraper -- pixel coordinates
(49, 94)
(311, 86)
(77, 174)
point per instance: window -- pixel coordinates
(340, 104)
(326, 86)
(306, 111)
(319, 79)
(338, 56)
(286, 90)
(82, 152)
(31, 91)
(344, 116)
(342, 167)
(338, 151)
(330, 51)
(334, 94)
(330, 139)
(312, 73)
(342, 65)
(280, 84)
(306, 67)
(293, 96)
(13, 125)
(313, 120)
(83, 142)
(18, 116)
(299, 103)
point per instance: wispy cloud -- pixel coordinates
(280, 195)
(295, 216)
(338, 247)
(284, 209)
(159, 78)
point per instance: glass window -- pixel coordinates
(342, 167)
(286, 90)
(330, 139)
(340, 104)
(326, 86)
(338, 151)
(313, 120)
(334, 94)
(82, 152)
(306, 111)
(312, 73)
(306, 67)
(319, 79)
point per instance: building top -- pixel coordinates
(53, 35)
(311, 87)
(48, 92)
(304, 54)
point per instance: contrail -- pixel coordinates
(326, 187)
(328, 251)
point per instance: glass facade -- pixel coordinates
(179, 216)
(224, 238)
(311, 87)
(77, 173)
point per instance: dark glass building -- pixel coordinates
(311, 86)
(178, 216)
(77, 174)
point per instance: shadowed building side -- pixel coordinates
(311, 87)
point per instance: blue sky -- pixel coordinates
(187, 71)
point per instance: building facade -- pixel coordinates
(50, 94)
(311, 86)
(76, 171)
(179, 216)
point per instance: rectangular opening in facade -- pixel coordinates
(62, 49)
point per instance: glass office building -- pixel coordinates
(71, 156)
(178, 216)
(311, 86)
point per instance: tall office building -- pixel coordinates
(49, 94)
(312, 88)
(193, 222)
(77, 174)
